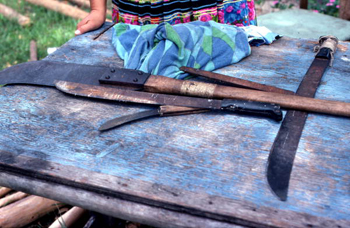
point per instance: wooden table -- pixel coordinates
(203, 170)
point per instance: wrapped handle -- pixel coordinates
(326, 48)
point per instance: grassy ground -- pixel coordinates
(48, 29)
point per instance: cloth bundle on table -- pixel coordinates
(163, 49)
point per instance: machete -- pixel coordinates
(282, 153)
(123, 95)
(46, 72)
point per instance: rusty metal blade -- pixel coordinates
(115, 94)
(128, 118)
(245, 107)
(166, 110)
(284, 148)
(44, 73)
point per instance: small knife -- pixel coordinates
(165, 110)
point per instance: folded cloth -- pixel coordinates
(258, 35)
(162, 49)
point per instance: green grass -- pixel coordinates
(48, 29)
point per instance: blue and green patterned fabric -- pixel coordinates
(162, 49)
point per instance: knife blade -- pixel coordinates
(284, 148)
(247, 107)
(162, 111)
(44, 73)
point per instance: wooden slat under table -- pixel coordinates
(202, 170)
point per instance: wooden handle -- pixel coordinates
(287, 101)
(235, 81)
(191, 88)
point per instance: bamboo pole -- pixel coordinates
(69, 218)
(4, 191)
(12, 14)
(12, 198)
(63, 8)
(27, 210)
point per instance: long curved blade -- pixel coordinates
(284, 148)
(281, 158)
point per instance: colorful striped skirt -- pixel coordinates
(141, 12)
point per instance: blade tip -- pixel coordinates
(281, 194)
(102, 128)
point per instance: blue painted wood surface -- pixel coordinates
(212, 154)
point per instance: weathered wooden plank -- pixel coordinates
(112, 206)
(184, 161)
(153, 196)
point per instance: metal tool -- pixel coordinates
(247, 107)
(45, 73)
(165, 110)
(282, 153)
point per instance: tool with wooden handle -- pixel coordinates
(282, 153)
(247, 107)
(200, 89)
(46, 72)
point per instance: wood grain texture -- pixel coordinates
(12, 198)
(27, 210)
(183, 208)
(209, 167)
(4, 191)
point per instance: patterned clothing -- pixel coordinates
(142, 12)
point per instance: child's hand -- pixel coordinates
(93, 21)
